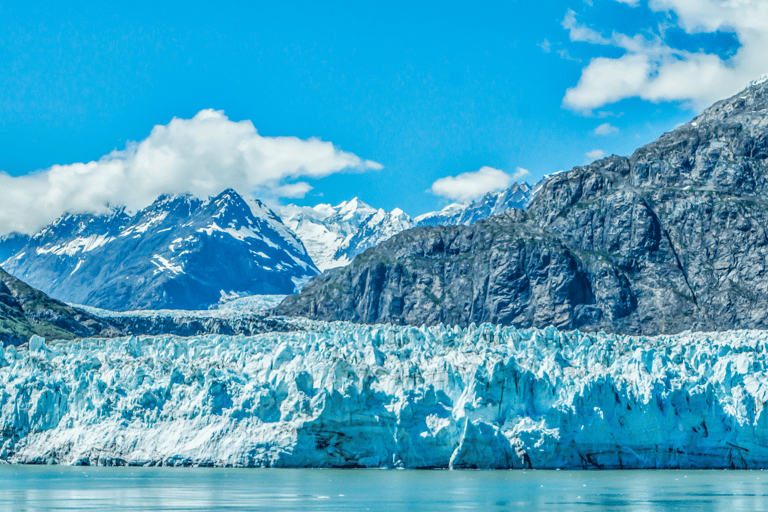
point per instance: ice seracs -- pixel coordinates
(345, 395)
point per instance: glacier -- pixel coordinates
(230, 308)
(248, 316)
(348, 395)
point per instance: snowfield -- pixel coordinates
(340, 394)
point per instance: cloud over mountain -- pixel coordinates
(595, 154)
(471, 185)
(202, 156)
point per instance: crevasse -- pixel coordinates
(346, 395)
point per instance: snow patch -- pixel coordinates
(79, 264)
(76, 245)
(238, 234)
(300, 282)
(163, 264)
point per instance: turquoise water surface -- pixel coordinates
(56, 488)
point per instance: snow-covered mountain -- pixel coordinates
(334, 235)
(492, 203)
(180, 252)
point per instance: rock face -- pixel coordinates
(26, 312)
(342, 395)
(180, 252)
(672, 238)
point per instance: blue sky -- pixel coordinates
(425, 91)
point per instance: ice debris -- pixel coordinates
(346, 395)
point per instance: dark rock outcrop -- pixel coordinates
(25, 312)
(246, 325)
(672, 238)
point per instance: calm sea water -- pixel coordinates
(49, 488)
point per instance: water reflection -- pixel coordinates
(164, 489)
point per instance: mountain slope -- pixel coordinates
(672, 238)
(25, 312)
(180, 253)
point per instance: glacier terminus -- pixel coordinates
(347, 395)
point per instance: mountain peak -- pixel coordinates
(669, 239)
(180, 252)
(751, 100)
(228, 193)
(353, 205)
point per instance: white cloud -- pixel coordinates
(471, 185)
(202, 156)
(595, 154)
(652, 70)
(292, 190)
(581, 33)
(605, 129)
(520, 173)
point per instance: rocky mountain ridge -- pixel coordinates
(669, 239)
(519, 196)
(334, 235)
(26, 312)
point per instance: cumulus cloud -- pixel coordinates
(595, 154)
(471, 185)
(201, 156)
(653, 70)
(605, 129)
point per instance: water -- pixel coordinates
(49, 488)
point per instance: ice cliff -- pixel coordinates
(340, 394)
